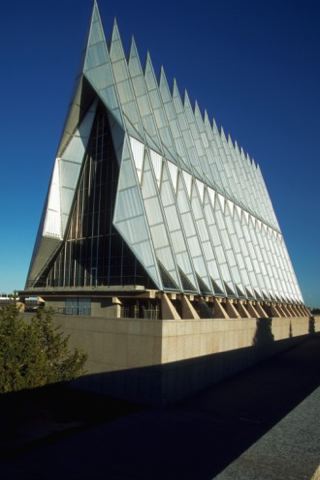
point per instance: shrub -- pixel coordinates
(34, 352)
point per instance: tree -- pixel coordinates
(34, 352)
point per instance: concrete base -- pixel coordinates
(161, 361)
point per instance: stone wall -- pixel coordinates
(160, 361)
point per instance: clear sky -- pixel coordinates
(254, 65)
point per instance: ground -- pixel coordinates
(67, 434)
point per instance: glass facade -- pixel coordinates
(148, 191)
(93, 253)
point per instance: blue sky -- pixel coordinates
(255, 66)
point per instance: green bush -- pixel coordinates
(33, 352)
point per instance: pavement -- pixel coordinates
(290, 450)
(200, 437)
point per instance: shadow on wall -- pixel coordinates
(264, 336)
(312, 328)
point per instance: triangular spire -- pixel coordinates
(197, 113)
(177, 100)
(135, 67)
(214, 127)
(206, 118)
(149, 74)
(115, 35)
(175, 89)
(223, 135)
(188, 107)
(187, 101)
(99, 72)
(164, 87)
(96, 50)
(116, 47)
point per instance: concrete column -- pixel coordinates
(116, 302)
(260, 310)
(188, 310)
(168, 309)
(219, 311)
(251, 309)
(242, 310)
(231, 310)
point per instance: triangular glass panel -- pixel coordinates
(144, 253)
(229, 290)
(127, 176)
(164, 88)
(138, 155)
(203, 286)
(214, 127)
(223, 135)
(197, 113)
(177, 100)
(187, 103)
(240, 292)
(96, 53)
(238, 210)
(212, 196)
(134, 63)
(156, 160)
(52, 223)
(116, 48)
(258, 295)
(188, 181)
(167, 280)
(186, 284)
(245, 216)
(221, 200)
(95, 13)
(150, 75)
(231, 207)
(200, 186)
(218, 289)
(249, 293)
(230, 143)
(173, 170)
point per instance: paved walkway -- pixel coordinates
(290, 450)
(196, 439)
